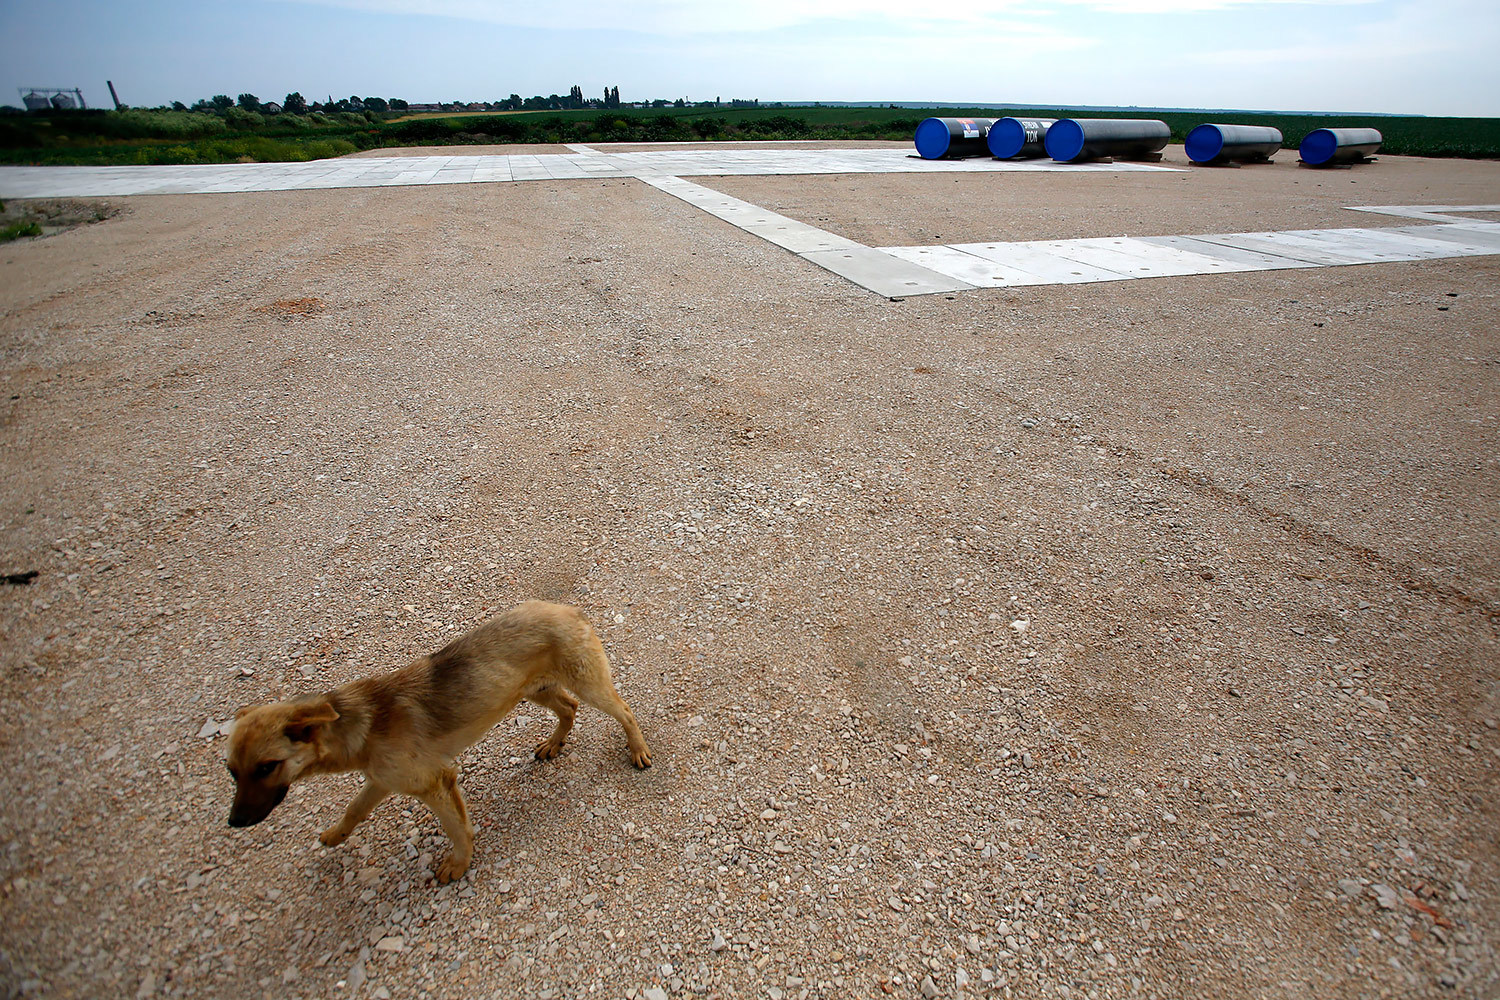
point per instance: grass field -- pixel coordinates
(138, 137)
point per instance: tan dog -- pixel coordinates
(403, 728)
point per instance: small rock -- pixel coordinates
(290, 974)
(356, 976)
(654, 993)
(390, 944)
(928, 988)
(1350, 887)
(148, 986)
(718, 943)
(1385, 896)
(1020, 625)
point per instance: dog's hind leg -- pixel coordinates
(370, 796)
(590, 680)
(565, 707)
(444, 799)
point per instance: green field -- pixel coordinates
(138, 137)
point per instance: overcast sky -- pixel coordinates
(1435, 57)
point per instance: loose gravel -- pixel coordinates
(1084, 641)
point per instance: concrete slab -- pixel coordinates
(581, 161)
(1140, 259)
(1284, 245)
(884, 274)
(1469, 238)
(964, 266)
(1253, 260)
(1040, 260)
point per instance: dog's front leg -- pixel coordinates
(370, 796)
(444, 799)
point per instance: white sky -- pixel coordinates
(1434, 57)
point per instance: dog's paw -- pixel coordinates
(547, 749)
(641, 758)
(450, 870)
(332, 837)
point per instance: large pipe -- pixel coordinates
(1325, 146)
(1017, 137)
(939, 137)
(1091, 138)
(1225, 143)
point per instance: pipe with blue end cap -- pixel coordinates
(1074, 139)
(940, 137)
(1232, 143)
(1014, 138)
(1327, 146)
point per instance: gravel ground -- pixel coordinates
(1116, 640)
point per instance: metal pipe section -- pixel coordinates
(1230, 143)
(939, 137)
(1325, 146)
(1012, 138)
(1073, 139)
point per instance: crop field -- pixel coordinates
(172, 137)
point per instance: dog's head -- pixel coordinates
(270, 746)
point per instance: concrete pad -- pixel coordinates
(884, 274)
(1283, 245)
(963, 266)
(1140, 259)
(1253, 260)
(1043, 262)
(1470, 238)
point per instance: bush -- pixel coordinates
(16, 230)
(242, 119)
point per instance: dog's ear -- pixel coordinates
(243, 712)
(305, 719)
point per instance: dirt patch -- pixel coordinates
(306, 306)
(53, 216)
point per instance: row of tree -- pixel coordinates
(296, 104)
(293, 104)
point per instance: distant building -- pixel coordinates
(271, 108)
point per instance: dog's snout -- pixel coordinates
(250, 807)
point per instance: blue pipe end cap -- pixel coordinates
(1318, 147)
(1204, 144)
(1006, 138)
(1065, 140)
(933, 139)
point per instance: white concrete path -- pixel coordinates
(1063, 262)
(582, 163)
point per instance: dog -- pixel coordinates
(404, 728)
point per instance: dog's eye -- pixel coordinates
(264, 770)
